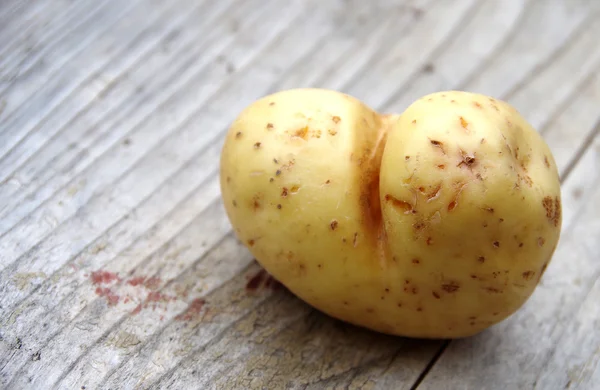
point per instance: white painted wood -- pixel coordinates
(575, 359)
(61, 145)
(151, 132)
(112, 167)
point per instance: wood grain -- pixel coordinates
(118, 268)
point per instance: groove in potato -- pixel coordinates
(435, 223)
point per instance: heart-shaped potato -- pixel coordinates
(435, 223)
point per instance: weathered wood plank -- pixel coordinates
(488, 29)
(17, 19)
(399, 59)
(38, 91)
(120, 157)
(575, 359)
(139, 190)
(33, 25)
(84, 126)
(34, 66)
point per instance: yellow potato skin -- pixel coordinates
(435, 223)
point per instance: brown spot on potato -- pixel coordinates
(419, 308)
(546, 162)
(279, 206)
(355, 240)
(435, 193)
(429, 241)
(257, 145)
(277, 172)
(528, 275)
(256, 202)
(399, 304)
(289, 164)
(406, 158)
(450, 287)
(476, 104)
(416, 261)
(403, 205)
(441, 166)
(271, 180)
(270, 126)
(553, 209)
(435, 295)
(333, 225)
(452, 205)
(466, 159)
(276, 161)
(234, 203)
(501, 220)
(238, 135)
(496, 244)
(284, 192)
(493, 290)
(481, 259)
(251, 242)
(294, 189)
(541, 241)
(332, 132)
(473, 276)
(336, 119)
(414, 122)
(463, 123)
(489, 209)
(438, 144)
(370, 310)
(271, 104)
(228, 179)
(557, 211)
(419, 225)
(302, 133)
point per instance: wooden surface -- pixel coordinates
(118, 268)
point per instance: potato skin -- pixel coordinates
(436, 223)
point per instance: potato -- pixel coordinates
(436, 223)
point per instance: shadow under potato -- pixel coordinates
(293, 345)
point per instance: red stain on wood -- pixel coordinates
(136, 281)
(137, 309)
(192, 311)
(107, 293)
(152, 283)
(255, 281)
(103, 277)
